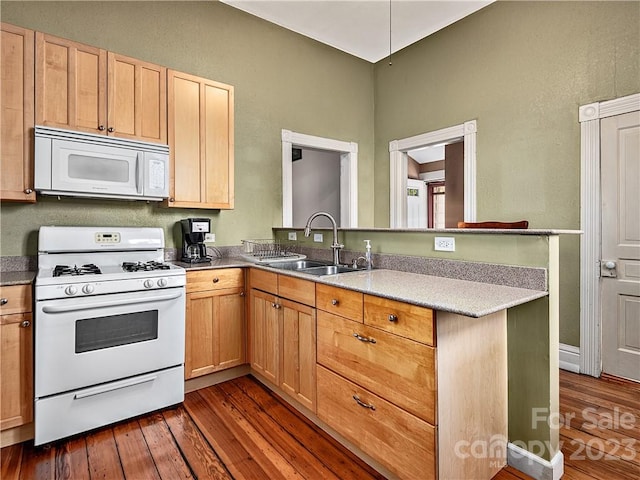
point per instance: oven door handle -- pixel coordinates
(117, 386)
(114, 303)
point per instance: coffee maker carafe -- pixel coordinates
(193, 234)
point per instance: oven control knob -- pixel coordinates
(71, 290)
(162, 282)
(148, 283)
(87, 289)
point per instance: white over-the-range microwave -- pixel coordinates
(81, 164)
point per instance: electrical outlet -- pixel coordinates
(209, 237)
(318, 237)
(444, 244)
(293, 236)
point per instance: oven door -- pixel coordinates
(90, 340)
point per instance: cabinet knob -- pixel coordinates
(171, 199)
(4, 301)
(25, 324)
(28, 191)
(242, 294)
(216, 280)
(393, 318)
(111, 129)
(101, 128)
(334, 301)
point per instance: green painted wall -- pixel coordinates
(521, 69)
(281, 80)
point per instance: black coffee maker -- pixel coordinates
(193, 234)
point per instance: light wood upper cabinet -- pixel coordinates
(17, 114)
(71, 81)
(80, 87)
(201, 136)
(215, 321)
(137, 99)
(16, 356)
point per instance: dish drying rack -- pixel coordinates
(269, 251)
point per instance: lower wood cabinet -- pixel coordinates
(411, 390)
(16, 356)
(283, 335)
(215, 321)
(402, 442)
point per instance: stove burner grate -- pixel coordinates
(87, 269)
(144, 266)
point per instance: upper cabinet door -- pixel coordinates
(16, 114)
(70, 84)
(201, 133)
(137, 99)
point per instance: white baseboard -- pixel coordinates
(569, 358)
(533, 465)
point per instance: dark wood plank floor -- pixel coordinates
(240, 430)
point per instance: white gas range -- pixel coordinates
(109, 328)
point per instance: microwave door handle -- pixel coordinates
(139, 172)
(115, 303)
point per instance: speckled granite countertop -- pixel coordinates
(16, 278)
(472, 299)
(227, 262)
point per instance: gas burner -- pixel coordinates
(144, 266)
(88, 269)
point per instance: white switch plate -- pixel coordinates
(293, 236)
(209, 237)
(444, 244)
(318, 237)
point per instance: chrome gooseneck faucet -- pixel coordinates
(335, 245)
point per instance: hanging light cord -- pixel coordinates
(390, 33)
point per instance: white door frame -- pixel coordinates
(590, 240)
(398, 174)
(348, 175)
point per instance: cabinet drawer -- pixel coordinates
(410, 321)
(345, 303)
(263, 280)
(400, 441)
(297, 289)
(202, 280)
(15, 299)
(400, 370)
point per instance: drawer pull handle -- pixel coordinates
(393, 318)
(25, 324)
(216, 280)
(334, 301)
(4, 301)
(364, 339)
(362, 404)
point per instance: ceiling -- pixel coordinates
(361, 27)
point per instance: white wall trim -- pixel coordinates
(590, 311)
(569, 358)
(348, 174)
(533, 465)
(398, 169)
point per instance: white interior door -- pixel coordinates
(416, 204)
(620, 261)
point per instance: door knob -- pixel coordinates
(608, 269)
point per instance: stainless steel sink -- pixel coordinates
(330, 270)
(314, 267)
(299, 264)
